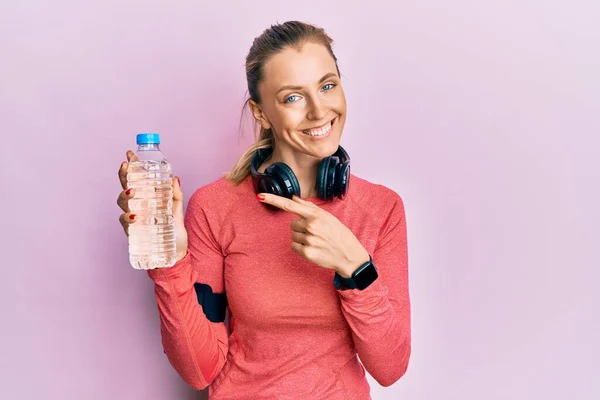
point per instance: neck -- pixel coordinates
(305, 168)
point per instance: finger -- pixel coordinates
(285, 204)
(307, 252)
(299, 225)
(301, 238)
(126, 220)
(123, 174)
(299, 249)
(123, 199)
(131, 156)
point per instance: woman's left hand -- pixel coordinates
(320, 237)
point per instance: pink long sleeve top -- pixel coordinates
(291, 334)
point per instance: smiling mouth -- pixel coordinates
(322, 130)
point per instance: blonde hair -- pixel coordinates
(270, 42)
(241, 169)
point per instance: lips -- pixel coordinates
(321, 130)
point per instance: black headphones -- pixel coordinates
(333, 179)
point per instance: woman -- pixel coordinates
(314, 269)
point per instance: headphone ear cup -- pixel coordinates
(285, 178)
(327, 177)
(266, 184)
(322, 178)
(342, 181)
(332, 177)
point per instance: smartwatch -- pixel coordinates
(360, 279)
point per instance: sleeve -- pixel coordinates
(379, 316)
(195, 347)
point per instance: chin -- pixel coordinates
(327, 149)
(321, 149)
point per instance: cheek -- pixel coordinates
(338, 102)
(291, 118)
(342, 101)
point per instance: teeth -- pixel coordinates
(319, 131)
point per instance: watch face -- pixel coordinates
(365, 276)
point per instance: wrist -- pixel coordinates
(360, 279)
(347, 267)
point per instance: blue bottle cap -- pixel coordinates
(148, 138)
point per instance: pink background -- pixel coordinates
(483, 115)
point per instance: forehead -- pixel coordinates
(300, 68)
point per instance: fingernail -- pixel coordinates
(132, 216)
(260, 197)
(128, 191)
(178, 182)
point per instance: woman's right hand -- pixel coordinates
(127, 218)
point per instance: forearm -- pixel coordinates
(381, 331)
(196, 347)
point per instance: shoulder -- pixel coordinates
(382, 205)
(217, 190)
(374, 197)
(217, 198)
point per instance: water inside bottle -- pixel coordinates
(152, 235)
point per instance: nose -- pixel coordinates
(316, 109)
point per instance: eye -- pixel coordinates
(291, 99)
(328, 86)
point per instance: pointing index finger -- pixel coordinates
(285, 204)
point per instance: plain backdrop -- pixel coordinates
(483, 115)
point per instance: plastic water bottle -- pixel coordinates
(152, 235)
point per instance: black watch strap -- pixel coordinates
(360, 279)
(342, 283)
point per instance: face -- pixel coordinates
(302, 101)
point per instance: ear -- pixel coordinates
(259, 115)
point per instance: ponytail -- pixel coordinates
(242, 168)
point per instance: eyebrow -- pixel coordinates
(290, 87)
